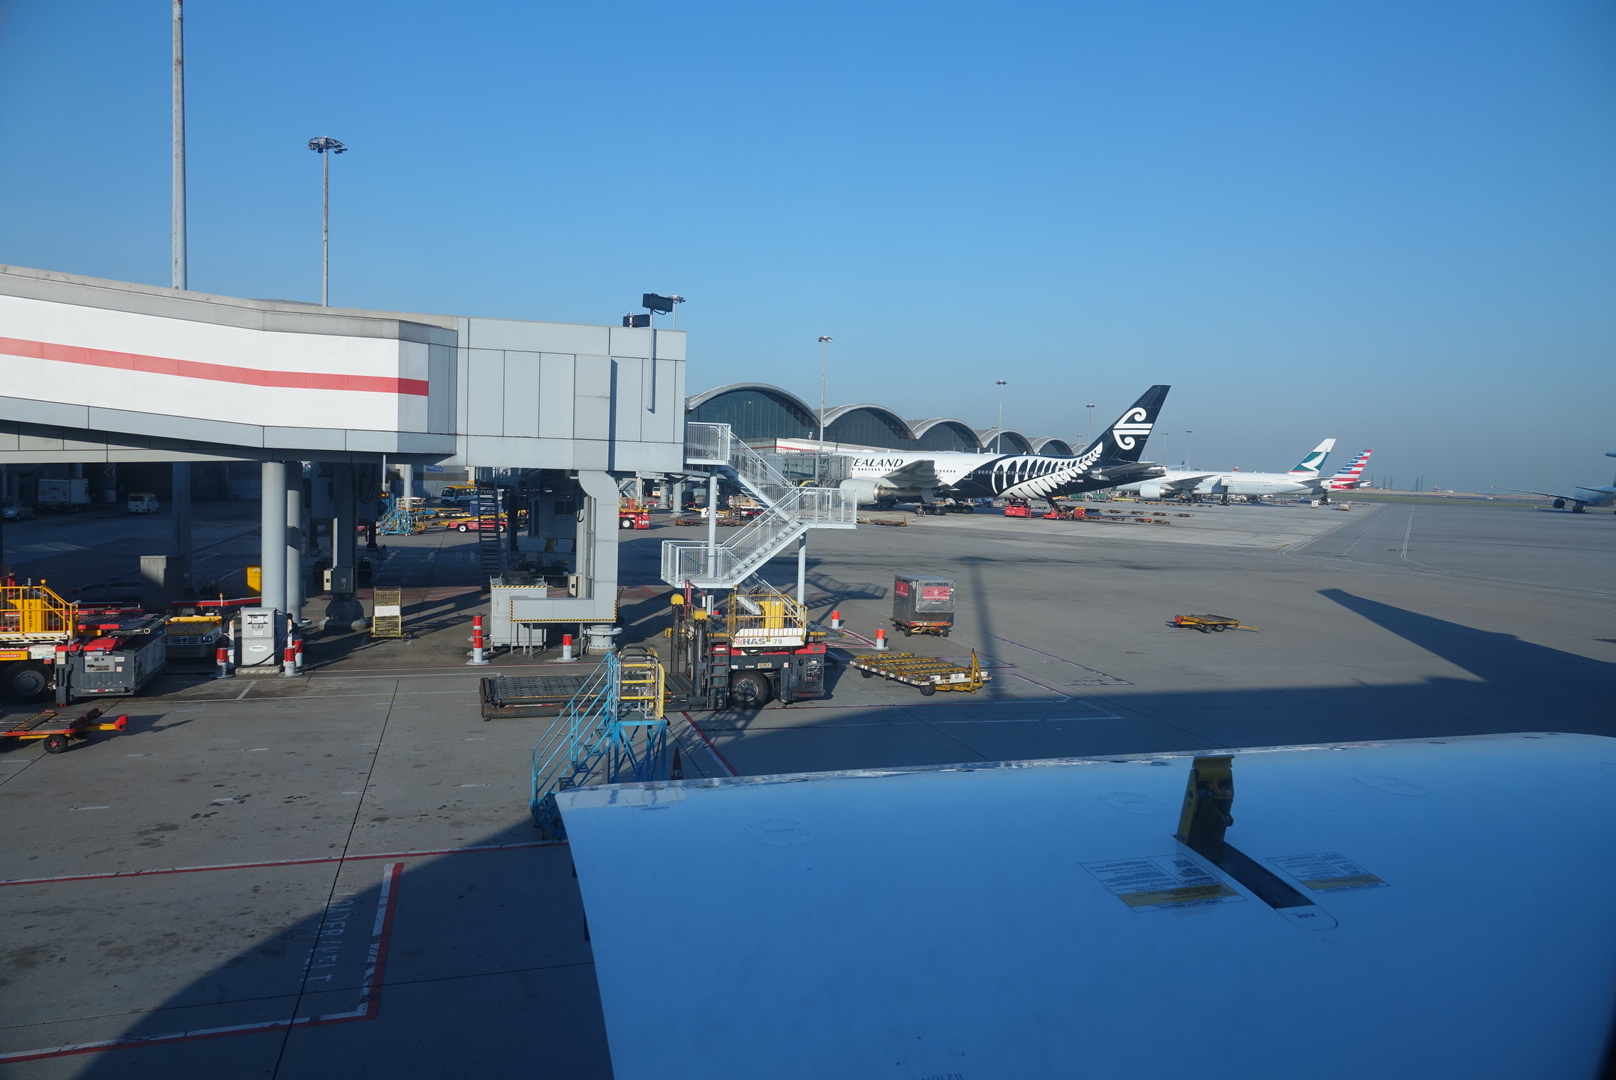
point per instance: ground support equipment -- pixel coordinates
(923, 604)
(899, 523)
(57, 731)
(528, 695)
(1017, 508)
(755, 649)
(1206, 624)
(613, 730)
(927, 673)
(1056, 513)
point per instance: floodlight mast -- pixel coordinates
(180, 275)
(824, 360)
(998, 434)
(325, 146)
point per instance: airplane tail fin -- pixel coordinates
(1352, 475)
(1125, 439)
(1314, 461)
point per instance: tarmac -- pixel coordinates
(335, 875)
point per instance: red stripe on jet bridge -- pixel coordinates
(191, 369)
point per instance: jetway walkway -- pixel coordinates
(789, 512)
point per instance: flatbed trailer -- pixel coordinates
(1206, 624)
(529, 695)
(58, 731)
(928, 674)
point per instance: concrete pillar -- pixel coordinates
(406, 474)
(678, 496)
(179, 505)
(293, 552)
(272, 533)
(345, 524)
(712, 524)
(802, 570)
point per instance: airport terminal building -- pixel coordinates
(760, 413)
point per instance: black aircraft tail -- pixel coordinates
(1124, 440)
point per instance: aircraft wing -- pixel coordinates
(1184, 483)
(916, 474)
(1545, 494)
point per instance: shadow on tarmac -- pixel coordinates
(489, 972)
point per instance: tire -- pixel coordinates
(927, 690)
(1204, 629)
(749, 690)
(27, 681)
(908, 632)
(462, 528)
(945, 633)
(1220, 629)
(625, 523)
(866, 674)
(55, 744)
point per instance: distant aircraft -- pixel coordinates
(1351, 476)
(1583, 499)
(877, 476)
(1304, 479)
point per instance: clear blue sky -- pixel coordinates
(1390, 222)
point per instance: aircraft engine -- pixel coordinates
(867, 492)
(1150, 491)
(1559, 504)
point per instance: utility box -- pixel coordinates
(923, 603)
(339, 579)
(162, 581)
(260, 637)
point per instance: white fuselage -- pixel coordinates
(1258, 484)
(1597, 496)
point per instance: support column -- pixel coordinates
(179, 503)
(272, 534)
(712, 525)
(293, 550)
(802, 571)
(344, 608)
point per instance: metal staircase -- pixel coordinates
(486, 505)
(789, 512)
(612, 731)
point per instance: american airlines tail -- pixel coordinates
(1310, 465)
(1124, 441)
(1351, 476)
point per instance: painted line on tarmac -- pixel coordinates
(1061, 659)
(280, 862)
(369, 1007)
(717, 755)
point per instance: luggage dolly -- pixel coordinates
(58, 732)
(936, 629)
(1208, 623)
(928, 674)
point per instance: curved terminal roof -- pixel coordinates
(1013, 441)
(1052, 447)
(944, 433)
(759, 411)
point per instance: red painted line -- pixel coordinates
(722, 760)
(191, 369)
(370, 997)
(281, 862)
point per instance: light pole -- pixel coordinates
(1088, 432)
(179, 146)
(325, 146)
(677, 300)
(824, 362)
(1187, 435)
(998, 432)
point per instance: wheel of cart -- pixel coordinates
(55, 744)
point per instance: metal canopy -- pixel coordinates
(1039, 919)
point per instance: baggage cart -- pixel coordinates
(1206, 624)
(928, 674)
(58, 731)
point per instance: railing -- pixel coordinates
(707, 444)
(33, 611)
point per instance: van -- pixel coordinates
(142, 502)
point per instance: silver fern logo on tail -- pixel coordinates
(1132, 425)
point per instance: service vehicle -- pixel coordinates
(1014, 507)
(757, 647)
(633, 514)
(79, 651)
(64, 496)
(142, 502)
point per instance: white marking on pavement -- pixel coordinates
(89, 808)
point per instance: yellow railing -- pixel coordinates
(643, 682)
(778, 617)
(33, 611)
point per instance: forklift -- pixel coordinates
(755, 648)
